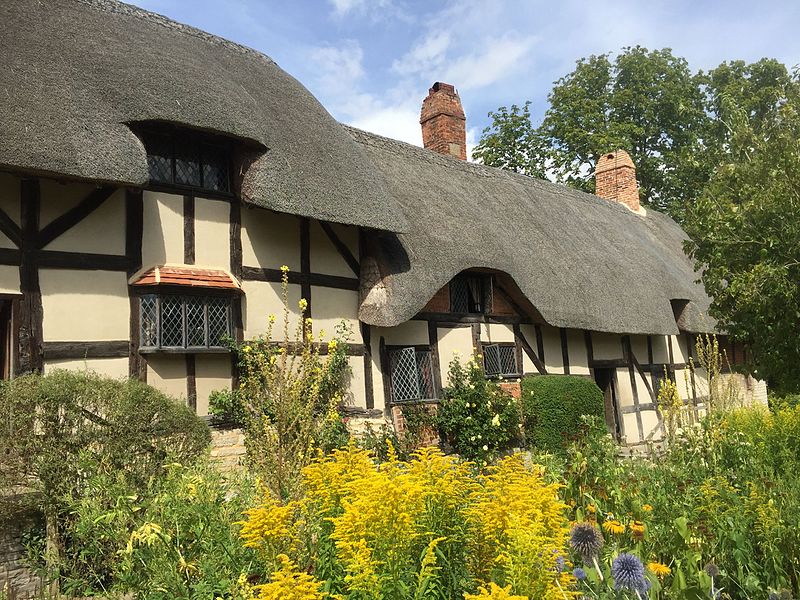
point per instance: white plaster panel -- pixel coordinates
(9, 279)
(639, 347)
(454, 342)
(606, 346)
(551, 340)
(356, 394)
(329, 307)
(270, 239)
(325, 258)
(679, 348)
(212, 238)
(410, 333)
(212, 372)
(108, 367)
(624, 389)
(631, 426)
(377, 375)
(578, 358)
(660, 349)
(162, 237)
(529, 332)
(167, 372)
(262, 299)
(496, 332)
(101, 232)
(81, 305)
(58, 198)
(9, 203)
(651, 425)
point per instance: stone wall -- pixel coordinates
(16, 580)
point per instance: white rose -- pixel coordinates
(485, 448)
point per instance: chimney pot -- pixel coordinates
(615, 179)
(444, 125)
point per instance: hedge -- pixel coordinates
(552, 407)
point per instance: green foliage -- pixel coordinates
(553, 406)
(477, 419)
(511, 142)
(745, 231)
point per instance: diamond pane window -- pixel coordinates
(187, 159)
(172, 321)
(500, 360)
(411, 373)
(470, 293)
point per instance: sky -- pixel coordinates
(371, 62)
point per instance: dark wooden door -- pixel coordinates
(606, 381)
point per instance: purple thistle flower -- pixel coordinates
(628, 573)
(579, 574)
(587, 540)
(561, 564)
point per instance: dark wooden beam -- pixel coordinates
(369, 391)
(191, 382)
(305, 265)
(433, 342)
(383, 356)
(564, 349)
(31, 312)
(75, 215)
(137, 366)
(188, 229)
(134, 227)
(537, 329)
(608, 363)
(82, 349)
(644, 378)
(10, 256)
(458, 318)
(342, 248)
(587, 336)
(235, 231)
(10, 229)
(522, 341)
(627, 353)
(54, 259)
(316, 279)
(508, 298)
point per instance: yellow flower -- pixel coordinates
(303, 304)
(647, 508)
(496, 421)
(290, 584)
(494, 592)
(637, 530)
(614, 526)
(332, 346)
(591, 508)
(247, 349)
(658, 569)
(271, 319)
(284, 268)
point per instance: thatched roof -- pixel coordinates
(75, 73)
(582, 261)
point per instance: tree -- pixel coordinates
(514, 144)
(745, 228)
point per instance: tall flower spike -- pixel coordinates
(628, 574)
(586, 540)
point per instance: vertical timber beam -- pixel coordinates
(191, 382)
(305, 264)
(235, 231)
(433, 341)
(188, 230)
(627, 352)
(369, 391)
(31, 313)
(134, 225)
(564, 349)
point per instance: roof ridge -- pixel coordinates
(123, 8)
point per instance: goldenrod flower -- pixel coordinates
(614, 526)
(647, 508)
(658, 569)
(284, 268)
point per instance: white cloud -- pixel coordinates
(338, 69)
(374, 10)
(498, 59)
(429, 53)
(399, 122)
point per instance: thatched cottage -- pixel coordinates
(154, 178)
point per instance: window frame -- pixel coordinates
(202, 142)
(183, 295)
(418, 348)
(488, 346)
(486, 284)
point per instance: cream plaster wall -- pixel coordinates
(108, 367)
(9, 279)
(578, 357)
(530, 334)
(551, 340)
(496, 332)
(58, 198)
(167, 372)
(410, 333)
(356, 390)
(624, 389)
(679, 348)
(329, 307)
(9, 203)
(631, 428)
(270, 239)
(325, 258)
(639, 347)
(606, 346)
(101, 232)
(660, 349)
(262, 299)
(212, 237)
(651, 425)
(453, 341)
(84, 305)
(162, 237)
(212, 372)
(377, 376)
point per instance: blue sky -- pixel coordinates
(370, 62)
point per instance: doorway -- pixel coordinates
(606, 381)
(6, 337)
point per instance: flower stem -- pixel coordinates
(596, 566)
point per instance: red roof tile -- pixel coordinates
(188, 276)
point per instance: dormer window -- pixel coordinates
(471, 293)
(187, 159)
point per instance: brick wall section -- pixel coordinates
(615, 179)
(444, 125)
(440, 303)
(429, 436)
(512, 387)
(227, 448)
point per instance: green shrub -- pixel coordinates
(553, 406)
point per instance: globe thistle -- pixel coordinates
(712, 570)
(586, 540)
(579, 574)
(628, 573)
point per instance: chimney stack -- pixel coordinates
(615, 179)
(444, 125)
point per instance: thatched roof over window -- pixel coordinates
(582, 261)
(76, 73)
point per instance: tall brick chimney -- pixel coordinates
(615, 179)
(444, 125)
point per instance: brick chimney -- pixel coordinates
(444, 125)
(615, 179)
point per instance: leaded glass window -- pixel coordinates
(187, 159)
(411, 374)
(172, 321)
(471, 293)
(500, 360)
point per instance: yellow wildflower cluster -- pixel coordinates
(289, 584)
(388, 524)
(494, 592)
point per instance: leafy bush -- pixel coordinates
(476, 418)
(553, 405)
(430, 528)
